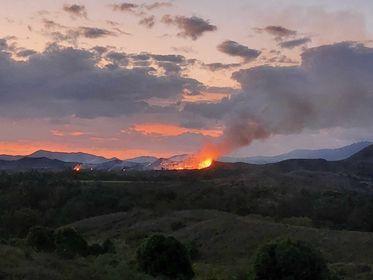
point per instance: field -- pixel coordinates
(223, 214)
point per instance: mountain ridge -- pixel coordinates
(327, 154)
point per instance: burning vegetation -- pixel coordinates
(236, 135)
(77, 168)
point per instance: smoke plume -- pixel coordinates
(332, 87)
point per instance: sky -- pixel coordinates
(130, 78)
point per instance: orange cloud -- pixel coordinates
(61, 133)
(172, 130)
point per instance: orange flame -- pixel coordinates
(77, 168)
(201, 160)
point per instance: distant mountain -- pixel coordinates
(327, 154)
(41, 164)
(10, 158)
(70, 157)
(118, 165)
(143, 159)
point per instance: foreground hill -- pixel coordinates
(222, 214)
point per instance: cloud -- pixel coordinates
(158, 5)
(61, 33)
(235, 49)
(331, 88)
(168, 57)
(25, 53)
(93, 32)
(220, 66)
(76, 11)
(117, 58)
(63, 82)
(279, 32)
(125, 7)
(190, 27)
(148, 22)
(294, 43)
(3, 44)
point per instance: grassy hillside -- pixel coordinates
(222, 215)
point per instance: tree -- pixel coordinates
(164, 256)
(290, 260)
(41, 238)
(70, 243)
(20, 221)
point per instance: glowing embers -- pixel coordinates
(77, 168)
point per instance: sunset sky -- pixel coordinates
(160, 78)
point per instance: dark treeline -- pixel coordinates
(53, 200)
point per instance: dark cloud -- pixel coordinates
(61, 33)
(93, 32)
(220, 66)
(331, 88)
(76, 10)
(117, 58)
(191, 27)
(170, 68)
(52, 25)
(100, 50)
(235, 49)
(68, 81)
(3, 44)
(294, 43)
(279, 32)
(25, 53)
(141, 56)
(168, 57)
(148, 22)
(125, 7)
(158, 5)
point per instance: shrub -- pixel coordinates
(20, 221)
(108, 246)
(192, 250)
(290, 260)
(69, 243)
(99, 249)
(41, 238)
(164, 256)
(95, 249)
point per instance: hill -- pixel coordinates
(327, 154)
(222, 214)
(40, 164)
(70, 157)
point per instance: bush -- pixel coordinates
(41, 238)
(69, 243)
(99, 249)
(193, 251)
(95, 249)
(164, 256)
(290, 260)
(108, 246)
(20, 221)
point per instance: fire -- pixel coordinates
(205, 163)
(77, 168)
(196, 161)
(190, 163)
